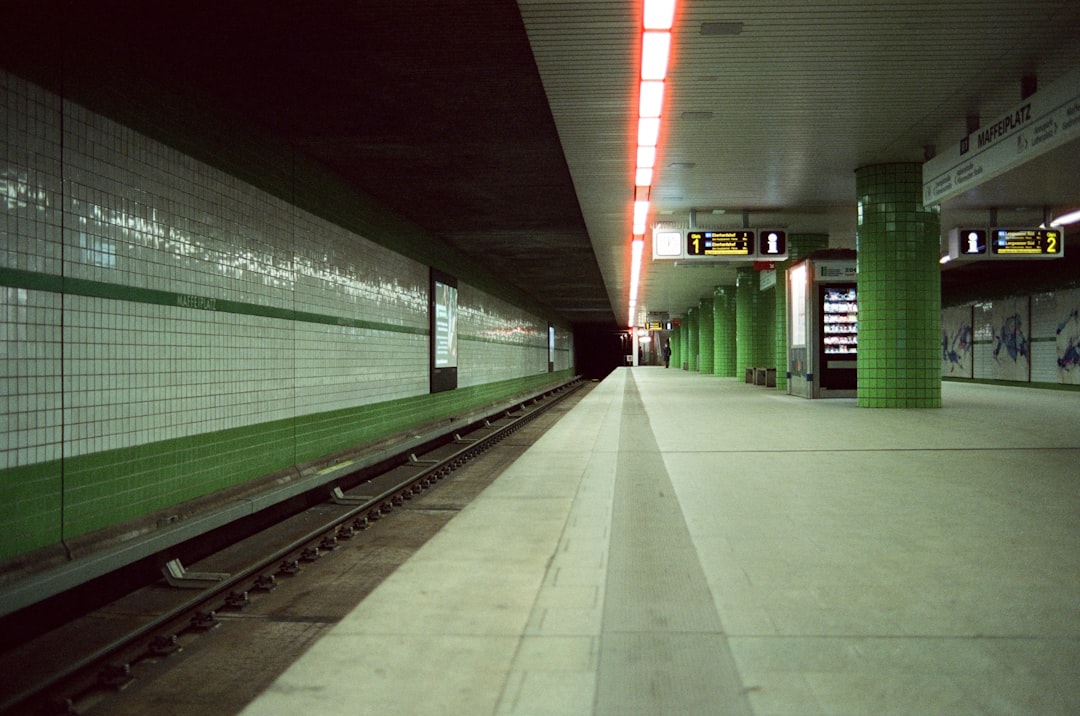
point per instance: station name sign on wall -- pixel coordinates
(1045, 120)
(733, 245)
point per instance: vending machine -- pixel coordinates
(823, 325)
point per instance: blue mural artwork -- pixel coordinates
(1012, 339)
(956, 347)
(1032, 339)
(1068, 338)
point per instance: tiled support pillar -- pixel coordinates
(899, 290)
(746, 294)
(691, 340)
(675, 337)
(724, 331)
(684, 342)
(764, 326)
(705, 336)
(798, 245)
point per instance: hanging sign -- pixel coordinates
(1045, 120)
(1027, 243)
(720, 243)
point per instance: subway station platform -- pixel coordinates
(684, 544)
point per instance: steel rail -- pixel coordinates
(375, 505)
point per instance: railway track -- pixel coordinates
(45, 676)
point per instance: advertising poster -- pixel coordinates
(445, 325)
(443, 314)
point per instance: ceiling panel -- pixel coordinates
(769, 125)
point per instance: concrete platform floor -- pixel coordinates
(685, 544)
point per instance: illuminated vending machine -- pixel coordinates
(823, 325)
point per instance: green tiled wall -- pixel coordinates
(692, 340)
(799, 245)
(899, 290)
(705, 336)
(724, 331)
(212, 461)
(32, 494)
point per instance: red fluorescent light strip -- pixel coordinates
(655, 49)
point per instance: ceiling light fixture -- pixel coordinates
(1065, 219)
(657, 19)
(646, 157)
(655, 47)
(648, 131)
(641, 215)
(651, 98)
(659, 14)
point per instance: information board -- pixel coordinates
(772, 244)
(967, 243)
(716, 245)
(720, 243)
(1027, 243)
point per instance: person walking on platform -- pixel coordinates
(667, 354)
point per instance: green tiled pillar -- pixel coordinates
(745, 300)
(684, 342)
(798, 245)
(724, 331)
(764, 326)
(692, 339)
(705, 336)
(899, 290)
(675, 336)
(754, 322)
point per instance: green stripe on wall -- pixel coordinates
(109, 487)
(1013, 383)
(15, 278)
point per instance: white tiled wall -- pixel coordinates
(499, 340)
(138, 373)
(30, 387)
(1048, 325)
(1044, 367)
(1055, 328)
(136, 214)
(30, 214)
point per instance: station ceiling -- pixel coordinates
(506, 128)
